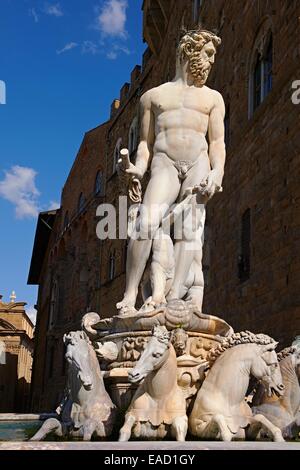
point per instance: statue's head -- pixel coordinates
(198, 48)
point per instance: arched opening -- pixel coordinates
(133, 136)
(112, 266)
(261, 67)
(116, 155)
(66, 220)
(81, 203)
(98, 189)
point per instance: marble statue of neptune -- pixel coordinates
(182, 141)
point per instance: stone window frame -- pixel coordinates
(197, 5)
(116, 155)
(258, 62)
(66, 220)
(112, 266)
(54, 297)
(81, 203)
(133, 136)
(98, 187)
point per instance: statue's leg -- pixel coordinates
(196, 290)
(179, 428)
(260, 422)
(162, 266)
(188, 252)
(125, 431)
(161, 193)
(213, 429)
(51, 425)
(89, 428)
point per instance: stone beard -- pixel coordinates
(199, 67)
(191, 48)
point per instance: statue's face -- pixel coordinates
(201, 60)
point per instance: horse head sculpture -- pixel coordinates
(266, 369)
(78, 356)
(87, 408)
(283, 411)
(220, 409)
(158, 407)
(154, 356)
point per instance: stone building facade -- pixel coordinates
(253, 228)
(16, 350)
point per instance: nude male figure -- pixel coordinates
(175, 119)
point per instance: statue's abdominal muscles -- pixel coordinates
(181, 133)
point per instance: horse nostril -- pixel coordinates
(281, 386)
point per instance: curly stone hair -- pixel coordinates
(161, 333)
(287, 352)
(195, 37)
(244, 337)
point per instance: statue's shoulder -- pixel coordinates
(156, 91)
(216, 95)
(216, 98)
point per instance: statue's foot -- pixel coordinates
(126, 306)
(151, 304)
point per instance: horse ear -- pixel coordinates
(269, 347)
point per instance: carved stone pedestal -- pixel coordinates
(191, 350)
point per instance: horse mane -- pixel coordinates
(244, 337)
(287, 352)
(162, 334)
(75, 335)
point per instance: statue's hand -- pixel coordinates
(212, 184)
(134, 171)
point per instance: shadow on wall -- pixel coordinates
(8, 383)
(14, 392)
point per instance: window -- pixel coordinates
(53, 304)
(112, 266)
(133, 136)
(81, 203)
(268, 68)
(245, 248)
(98, 183)
(196, 9)
(116, 155)
(66, 220)
(262, 75)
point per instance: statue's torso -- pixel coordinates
(181, 120)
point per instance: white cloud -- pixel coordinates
(33, 13)
(89, 47)
(18, 187)
(114, 52)
(112, 55)
(53, 10)
(31, 312)
(111, 18)
(53, 205)
(67, 47)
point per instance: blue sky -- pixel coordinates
(62, 63)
